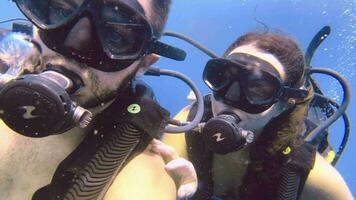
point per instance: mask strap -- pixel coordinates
(166, 50)
(310, 94)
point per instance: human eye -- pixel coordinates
(61, 10)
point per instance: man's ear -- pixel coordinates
(147, 62)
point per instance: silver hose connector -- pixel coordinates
(81, 116)
(248, 135)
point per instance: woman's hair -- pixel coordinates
(282, 47)
(284, 131)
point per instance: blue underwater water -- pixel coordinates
(216, 24)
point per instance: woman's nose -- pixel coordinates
(80, 38)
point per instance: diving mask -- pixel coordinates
(247, 82)
(121, 33)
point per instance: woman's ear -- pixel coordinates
(147, 62)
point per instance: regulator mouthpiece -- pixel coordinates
(223, 135)
(39, 105)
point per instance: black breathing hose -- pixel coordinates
(322, 34)
(181, 127)
(95, 176)
(192, 42)
(346, 131)
(14, 19)
(345, 102)
(313, 46)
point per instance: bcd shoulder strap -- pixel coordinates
(88, 171)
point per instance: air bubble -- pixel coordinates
(96, 132)
(347, 11)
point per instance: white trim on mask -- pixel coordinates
(254, 51)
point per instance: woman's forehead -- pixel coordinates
(251, 49)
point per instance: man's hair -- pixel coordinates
(160, 10)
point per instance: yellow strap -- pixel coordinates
(177, 141)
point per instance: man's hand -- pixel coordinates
(180, 169)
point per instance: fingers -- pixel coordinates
(180, 169)
(168, 153)
(183, 170)
(186, 191)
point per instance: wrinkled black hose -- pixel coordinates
(289, 184)
(98, 173)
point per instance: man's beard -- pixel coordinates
(99, 87)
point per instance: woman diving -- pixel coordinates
(251, 146)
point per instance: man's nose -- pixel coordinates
(80, 38)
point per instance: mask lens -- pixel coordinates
(217, 77)
(124, 40)
(260, 88)
(50, 12)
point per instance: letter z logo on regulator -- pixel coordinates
(218, 137)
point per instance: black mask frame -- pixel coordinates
(108, 32)
(221, 75)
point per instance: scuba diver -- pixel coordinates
(78, 123)
(251, 144)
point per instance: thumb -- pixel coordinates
(167, 152)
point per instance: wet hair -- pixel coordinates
(285, 49)
(266, 157)
(160, 12)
